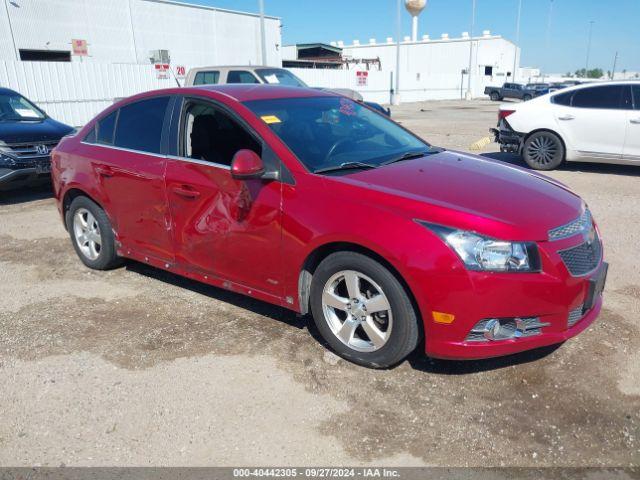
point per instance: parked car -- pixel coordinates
(252, 74)
(27, 135)
(313, 202)
(587, 123)
(510, 90)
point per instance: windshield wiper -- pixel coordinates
(345, 166)
(408, 156)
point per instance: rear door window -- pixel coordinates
(140, 125)
(241, 76)
(207, 78)
(612, 97)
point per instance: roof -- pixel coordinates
(206, 7)
(245, 92)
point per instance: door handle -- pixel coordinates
(104, 171)
(566, 117)
(635, 121)
(186, 191)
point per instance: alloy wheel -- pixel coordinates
(357, 311)
(87, 233)
(543, 150)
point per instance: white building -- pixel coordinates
(128, 31)
(444, 58)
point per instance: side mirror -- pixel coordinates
(246, 164)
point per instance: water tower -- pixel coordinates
(415, 7)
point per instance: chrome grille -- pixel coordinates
(579, 225)
(583, 258)
(29, 151)
(575, 316)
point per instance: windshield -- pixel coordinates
(278, 76)
(326, 132)
(14, 107)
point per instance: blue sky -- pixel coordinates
(616, 27)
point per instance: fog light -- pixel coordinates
(495, 329)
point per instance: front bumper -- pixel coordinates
(14, 178)
(563, 303)
(509, 140)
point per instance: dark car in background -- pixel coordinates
(510, 90)
(27, 136)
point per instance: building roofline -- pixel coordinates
(215, 9)
(431, 40)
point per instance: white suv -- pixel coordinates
(588, 123)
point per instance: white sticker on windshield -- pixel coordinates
(25, 112)
(271, 78)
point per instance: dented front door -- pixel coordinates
(225, 227)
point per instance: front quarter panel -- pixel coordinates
(318, 212)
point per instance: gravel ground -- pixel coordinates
(139, 367)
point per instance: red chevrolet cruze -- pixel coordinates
(311, 201)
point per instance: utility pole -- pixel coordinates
(13, 38)
(515, 55)
(263, 40)
(586, 70)
(548, 35)
(473, 24)
(396, 94)
(615, 64)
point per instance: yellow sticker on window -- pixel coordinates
(270, 119)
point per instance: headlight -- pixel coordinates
(482, 253)
(6, 161)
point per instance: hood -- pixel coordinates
(33, 131)
(459, 188)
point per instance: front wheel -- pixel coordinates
(91, 234)
(526, 98)
(543, 151)
(495, 96)
(363, 311)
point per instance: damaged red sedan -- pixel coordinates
(308, 200)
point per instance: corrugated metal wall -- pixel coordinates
(75, 92)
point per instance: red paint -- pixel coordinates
(253, 236)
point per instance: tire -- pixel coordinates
(543, 151)
(376, 339)
(495, 96)
(526, 98)
(87, 221)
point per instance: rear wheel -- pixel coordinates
(91, 234)
(543, 151)
(495, 96)
(363, 311)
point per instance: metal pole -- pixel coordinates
(615, 63)
(473, 24)
(515, 55)
(13, 39)
(548, 35)
(396, 96)
(586, 70)
(263, 40)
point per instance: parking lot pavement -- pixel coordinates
(138, 367)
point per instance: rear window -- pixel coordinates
(563, 99)
(105, 129)
(206, 78)
(278, 76)
(140, 125)
(241, 76)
